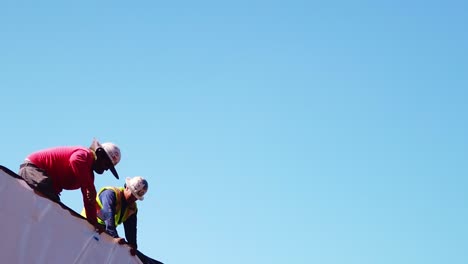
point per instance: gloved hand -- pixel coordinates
(120, 240)
(132, 250)
(99, 228)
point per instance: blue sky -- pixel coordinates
(270, 132)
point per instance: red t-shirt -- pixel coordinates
(70, 168)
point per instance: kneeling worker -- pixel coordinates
(118, 205)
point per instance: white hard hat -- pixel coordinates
(138, 186)
(113, 151)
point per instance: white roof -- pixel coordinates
(37, 230)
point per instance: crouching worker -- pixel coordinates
(117, 205)
(53, 170)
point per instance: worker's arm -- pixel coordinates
(130, 227)
(80, 163)
(107, 213)
(89, 201)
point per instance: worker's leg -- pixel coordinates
(38, 180)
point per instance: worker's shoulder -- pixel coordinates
(80, 153)
(108, 191)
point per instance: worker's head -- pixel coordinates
(136, 187)
(107, 156)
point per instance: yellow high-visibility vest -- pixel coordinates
(130, 210)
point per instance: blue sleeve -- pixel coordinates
(107, 213)
(131, 230)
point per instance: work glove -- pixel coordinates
(99, 228)
(122, 241)
(133, 250)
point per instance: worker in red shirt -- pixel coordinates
(52, 170)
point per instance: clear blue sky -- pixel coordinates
(331, 132)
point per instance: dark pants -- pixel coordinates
(38, 179)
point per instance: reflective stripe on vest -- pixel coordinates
(130, 210)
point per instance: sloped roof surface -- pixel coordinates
(38, 230)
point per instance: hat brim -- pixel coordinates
(95, 145)
(114, 172)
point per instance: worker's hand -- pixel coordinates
(133, 249)
(99, 228)
(120, 240)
